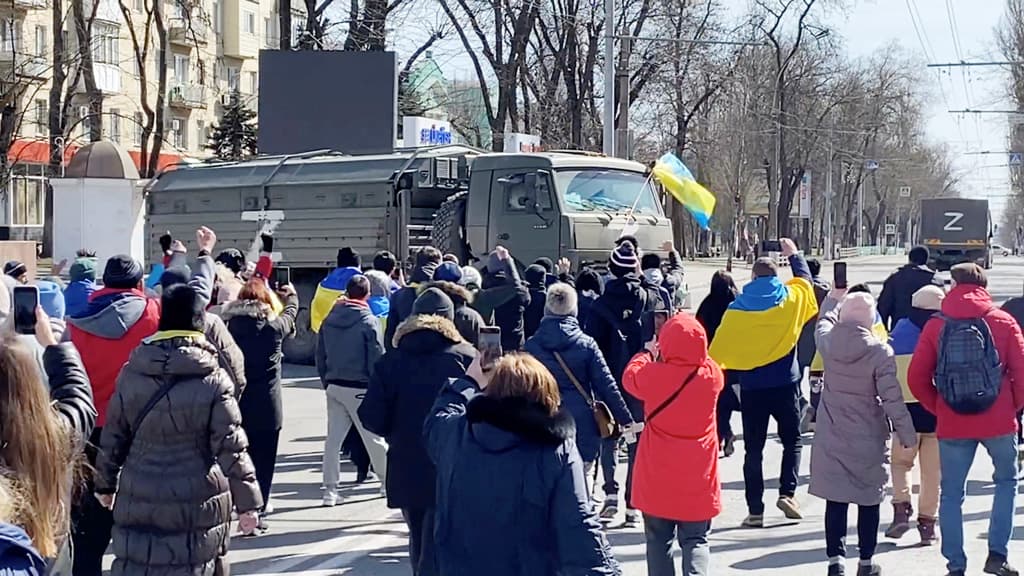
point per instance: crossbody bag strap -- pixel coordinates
(572, 377)
(671, 398)
(157, 396)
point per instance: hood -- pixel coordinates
(76, 296)
(915, 270)
(347, 314)
(426, 332)
(339, 277)
(536, 277)
(15, 543)
(849, 342)
(904, 336)
(654, 277)
(967, 301)
(760, 294)
(111, 313)
(248, 308)
(624, 291)
(459, 295)
(500, 424)
(380, 306)
(682, 341)
(182, 354)
(920, 317)
(557, 332)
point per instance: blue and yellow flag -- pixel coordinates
(679, 181)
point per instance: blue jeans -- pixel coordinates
(956, 458)
(693, 541)
(610, 462)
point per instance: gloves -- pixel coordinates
(165, 242)
(268, 242)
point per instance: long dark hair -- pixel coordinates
(723, 286)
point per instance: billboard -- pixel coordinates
(307, 101)
(419, 132)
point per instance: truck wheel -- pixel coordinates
(449, 231)
(301, 347)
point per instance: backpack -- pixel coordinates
(968, 374)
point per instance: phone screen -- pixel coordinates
(490, 346)
(771, 246)
(839, 273)
(26, 300)
(282, 276)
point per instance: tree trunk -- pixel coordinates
(161, 95)
(83, 30)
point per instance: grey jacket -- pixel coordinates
(350, 342)
(861, 396)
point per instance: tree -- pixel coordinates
(148, 36)
(235, 136)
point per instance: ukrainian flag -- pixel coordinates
(679, 181)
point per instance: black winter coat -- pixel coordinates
(405, 382)
(259, 333)
(895, 301)
(616, 323)
(534, 313)
(402, 301)
(508, 315)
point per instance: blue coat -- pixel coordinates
(584, 358)
(17, 556)
(511, 497)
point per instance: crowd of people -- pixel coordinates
(145, 413)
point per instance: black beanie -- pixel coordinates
(122, 272)
(348, 258)
(650, 261)
(546, 262)
(623, 260)
(181, 308)
(434, 302)
(535, 276)
(15, 269)
(175, 275)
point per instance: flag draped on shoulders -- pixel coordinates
(327, 293)
(764, 323)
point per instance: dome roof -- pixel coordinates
(102, 160)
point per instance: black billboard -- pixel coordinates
(312, 100)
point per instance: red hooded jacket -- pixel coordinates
(113, 325)
(967, 301)
(676, 473)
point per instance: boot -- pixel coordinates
(926, 528)
(869, 570)
(901, 513)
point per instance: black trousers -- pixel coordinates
(263, 452)
(868, 518)
(91, 522)
(422, 555)
(759, 407)
(357, 450)
(727, 404)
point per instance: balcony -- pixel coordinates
(35, 67)
(187, 96)
(188, 32)
(30, 4)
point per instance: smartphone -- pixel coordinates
(26, 300)
(660, 318)
(771, 246)
(839, 274)
(490, 346)
(282, 276)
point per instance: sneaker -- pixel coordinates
(262, 525)
(836, 570)
(790, 507)
(729, 446)
(609, 511)
(997, 564)
(753, 521)
(957, 573)
(926, 528)
(269, 508)
(901, 513)
(632, 519)
(869, 570)
(330, 499)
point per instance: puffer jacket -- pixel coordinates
(860, 397)
(17, 556)
(178, 474)
(676, 471)
(259, 332)
(579, 351)
(428, 351)
(467, 320)
(511, 495)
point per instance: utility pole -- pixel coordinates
(609, 77)
(828, 191)
(860, 213)
(623, 143)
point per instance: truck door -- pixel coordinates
(528, 234)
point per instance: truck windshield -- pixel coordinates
(597, 190)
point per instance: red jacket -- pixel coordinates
(676, 471)
(963, 302)
(115, 322)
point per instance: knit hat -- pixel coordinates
(434, 302)
(122, 271)
(650, 262)
(858, 308)
(470, 277)
(623, 260)
(380, 283)
(928, 298)
(51, 299)
(546, 262)
(535, 276)
(232, 259)
(348, 258)
(181, 308)
(448, 272)
(561, 300)
(15, 269)
(175, 275)
(84, 269)
(588, 280)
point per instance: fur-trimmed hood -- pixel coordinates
(460, 296)
(437, 329)
(517, 420)
(251, 308)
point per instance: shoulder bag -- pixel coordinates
(671, 398)
(606, 424)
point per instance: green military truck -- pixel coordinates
(459, 199)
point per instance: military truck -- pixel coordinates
(956, 230)
(457, 198)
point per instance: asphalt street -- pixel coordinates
(361, 537)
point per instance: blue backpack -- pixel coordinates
(969, 374)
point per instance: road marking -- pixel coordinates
(348, 547)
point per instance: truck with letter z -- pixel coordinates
(956, 230)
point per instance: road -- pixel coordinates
(360, 537)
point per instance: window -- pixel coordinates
(42, 115)
(516, 193)
(201, 137)
(179, 11)
(28, 201)
(115, 125)
(250, 22)
(9, 36)
(217, 18)
(105, 43)
(201, 72)
(606, 190)
(181, 69)
(138, 128)
(233, 77)
(84, 119)
(270, 39)
(178, 133)
(253, 83)
(40, 46)
(140, 6)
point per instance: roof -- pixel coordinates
(102, 160)
(563, 160)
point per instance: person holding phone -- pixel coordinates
(428, 351)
